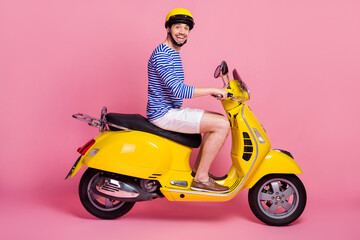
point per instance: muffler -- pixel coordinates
(120, 189)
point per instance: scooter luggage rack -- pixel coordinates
(86, 118)
(95, 122)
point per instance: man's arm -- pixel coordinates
(198, 92)
(167, 73)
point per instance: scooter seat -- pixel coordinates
(140, 123)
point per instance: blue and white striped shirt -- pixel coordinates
(166, 88)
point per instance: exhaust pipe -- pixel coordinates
(120, 189)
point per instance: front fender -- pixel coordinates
(275, 162)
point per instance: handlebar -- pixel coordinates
(220, 96)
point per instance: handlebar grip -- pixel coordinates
(219, 96)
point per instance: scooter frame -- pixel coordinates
(131, 158)
(175, 180)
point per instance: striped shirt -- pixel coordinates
(166, 88)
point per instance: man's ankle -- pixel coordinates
(202, 179)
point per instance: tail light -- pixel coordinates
(82, 150)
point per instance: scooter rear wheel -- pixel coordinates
(278, 199)
(99, 206)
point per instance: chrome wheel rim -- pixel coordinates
(278, 198)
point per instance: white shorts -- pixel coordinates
(185, 120)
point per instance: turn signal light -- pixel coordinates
(258, 135)
(82, 150)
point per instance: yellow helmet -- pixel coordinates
(179, 15)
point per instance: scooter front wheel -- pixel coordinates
(99, 206)
(278, 199)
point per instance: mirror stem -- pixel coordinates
(222, 77)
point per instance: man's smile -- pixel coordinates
(180, 37)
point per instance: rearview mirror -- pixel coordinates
(224, 68)
(217, 72)
(221, 69)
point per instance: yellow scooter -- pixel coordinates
(132, 160)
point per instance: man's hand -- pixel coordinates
(220, 94)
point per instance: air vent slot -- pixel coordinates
(155, 175)
(248, 147)
(235, 185)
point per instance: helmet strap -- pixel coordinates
(175, 42)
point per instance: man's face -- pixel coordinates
(180, 32)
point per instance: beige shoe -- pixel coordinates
(210, 186)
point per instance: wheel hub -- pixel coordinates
(278, 200)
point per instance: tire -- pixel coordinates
(98, 206)
(278, 199)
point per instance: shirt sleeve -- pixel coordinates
(165, 68)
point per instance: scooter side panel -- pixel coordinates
(137, 154)
(274, 163)
(247, 150)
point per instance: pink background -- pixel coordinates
(299, 58)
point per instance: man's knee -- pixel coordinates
(224, 124)
(215, 123)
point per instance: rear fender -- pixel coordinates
(275, 162)
(75, 168)
(135, 153)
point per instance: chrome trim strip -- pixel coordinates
(179, 183)
(242, 181)
(239, 100)
(117, 126)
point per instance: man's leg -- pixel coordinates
(216, 128)
(198, 158)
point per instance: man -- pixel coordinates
(167, 90)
